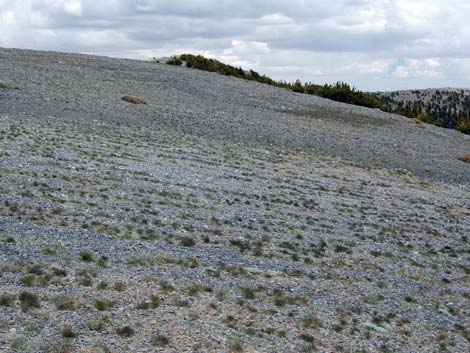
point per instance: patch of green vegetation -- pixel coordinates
(103, 305)
(68, 332)
(28, 300)
(174, 60)
(125, 331)
(87, 256)
(187, 241)
(7, 299)
(160, 340)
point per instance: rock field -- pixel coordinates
(221, 216)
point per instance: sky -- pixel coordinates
(375, 45)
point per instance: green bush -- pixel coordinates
(174, 60)
(125, 331)
(297, 87)
(28, 300)
(342, 92)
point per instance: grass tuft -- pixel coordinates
(28, 300)
(125, 331)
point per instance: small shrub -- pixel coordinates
(7, 299)
(102, 261)
(86, 256)
(133, 100)
(95, 325)
(298, 87)
(187, 241)
(103, 305)
(307, 338)
(174, 60)
(160, 340)
(119, 286)
(68, 332)
(65, 303)
(28, 281)
(248, 293)
(125, 331)
(280, 301)
(342, 249)
(28, 300)
(154, 301)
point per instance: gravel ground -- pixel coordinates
(224, 216)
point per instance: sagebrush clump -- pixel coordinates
(134, 100)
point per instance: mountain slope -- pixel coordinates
(445, 105)
(223, 215)
(76, 87)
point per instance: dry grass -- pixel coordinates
(133, 100)
(465, 157)
(8, 86)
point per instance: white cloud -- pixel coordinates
(241, 47)
(73, 7)
(374, 44)
(430, 68)
(7, 17)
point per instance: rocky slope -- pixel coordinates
(223, 216)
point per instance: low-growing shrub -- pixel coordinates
(87, 256)
(103, 305)
(160, 340)
(125, 331)
(28, 300)
(68, 332)
(187, 241)
(7, 299)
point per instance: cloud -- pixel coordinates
(428, 68)
(373, 44)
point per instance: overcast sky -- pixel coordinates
(372, 44)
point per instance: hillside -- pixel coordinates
(445, 105)
(223, 215)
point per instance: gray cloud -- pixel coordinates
(374, 44)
